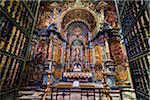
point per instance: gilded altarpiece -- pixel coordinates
(81, 40)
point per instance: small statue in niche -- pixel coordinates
(57, 55)
(98, 56)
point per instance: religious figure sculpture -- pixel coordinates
(98, 57)
(57, 55)
(77, 53)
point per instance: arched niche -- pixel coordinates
(78, 14)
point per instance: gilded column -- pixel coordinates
(53, 49)
(50, 48)
(107, 49)
(65, 50)
(89, 48)
(68, 55)
(86, 55)
(81, 50)
(62, 56)
(72, 54)
(93, 58)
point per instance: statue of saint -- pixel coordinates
(98, 57)
(77, 53)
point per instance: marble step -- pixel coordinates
(30, 95)
(28, 88)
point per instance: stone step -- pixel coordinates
(29, 92)
(115, 95)
(30, 98)
(29, 88)
(116, 98)
(30, 95)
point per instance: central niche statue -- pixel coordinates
(77, 49)
(77, 53)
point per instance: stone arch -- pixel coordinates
(79, 14)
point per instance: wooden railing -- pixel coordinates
(69, 93)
